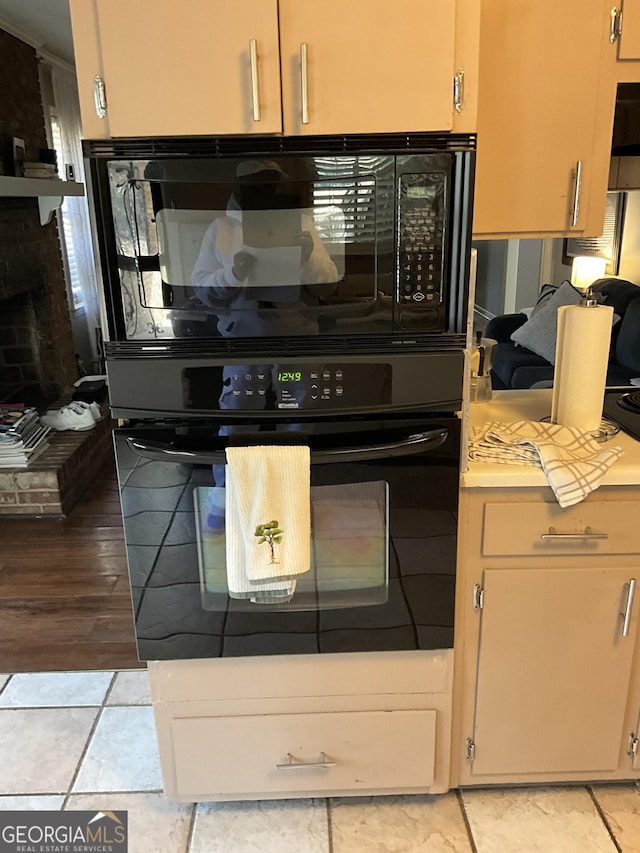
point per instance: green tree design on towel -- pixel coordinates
(271, 533)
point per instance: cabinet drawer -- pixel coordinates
(512, 529)
(218, 756)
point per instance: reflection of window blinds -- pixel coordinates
(608, 244)
(603, 245)
(356, 196)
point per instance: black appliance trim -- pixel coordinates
(281, 346)
(620, 412)
(229, 146)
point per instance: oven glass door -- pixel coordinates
(383, 540)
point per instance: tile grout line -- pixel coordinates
(327, 801)
(8, 681)
(88, 741)
(603, 817)
(192, 828)
(465, 818)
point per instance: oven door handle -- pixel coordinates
(417, 442)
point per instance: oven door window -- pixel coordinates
(253, 248)
(349, 549)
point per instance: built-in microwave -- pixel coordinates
(234, 239)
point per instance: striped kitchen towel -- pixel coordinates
(573, 462)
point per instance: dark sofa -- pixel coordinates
(515, 366)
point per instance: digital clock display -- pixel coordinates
(289, 376)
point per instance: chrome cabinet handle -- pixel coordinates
(576, 196)
(586, 535)
(99, 96)
(615, 24)
(304, 81)
(414, 443)
(626, 616)
(458, 91)
(292, 763)
(255, 88)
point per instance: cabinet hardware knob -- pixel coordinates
(292, 763)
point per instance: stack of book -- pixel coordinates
(22, 436)
(40, 170)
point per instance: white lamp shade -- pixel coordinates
(585, 270)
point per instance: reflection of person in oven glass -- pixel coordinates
(261, 283)
(257, 287)
(263, 268)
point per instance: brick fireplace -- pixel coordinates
(37, 360)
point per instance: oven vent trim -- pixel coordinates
(281, 347)
(246, 146)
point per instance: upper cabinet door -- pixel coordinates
(163, 68)
(629, 45)
(545, 117)
(190, 67)
(367, 66)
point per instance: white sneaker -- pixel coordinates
(81, 406)
(68, 418)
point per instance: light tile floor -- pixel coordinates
(86, 740)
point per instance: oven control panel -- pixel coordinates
(290, 386)
(244, 387)
(421, 229)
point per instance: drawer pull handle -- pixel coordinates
(587, 534)
(626, 616)
(293, 764)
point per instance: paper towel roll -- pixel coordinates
(582, 353)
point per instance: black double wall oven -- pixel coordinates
(284, 291)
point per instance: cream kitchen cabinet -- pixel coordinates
(547, 638)
(546, 100)
(626, 28)
(157, 68)
(625, 32)
(303, 725)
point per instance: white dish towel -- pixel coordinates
(268, 521)
(572, 461)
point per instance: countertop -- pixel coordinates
(532, 405)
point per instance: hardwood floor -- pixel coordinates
(64, 589)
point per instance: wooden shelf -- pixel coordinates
(48, 191)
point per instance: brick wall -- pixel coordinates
(58, 478)
(30, 258)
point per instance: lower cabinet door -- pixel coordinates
(553, 670)
(304, 753)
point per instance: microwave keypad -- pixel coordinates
(420, 238)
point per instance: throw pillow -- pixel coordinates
(538, 334)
